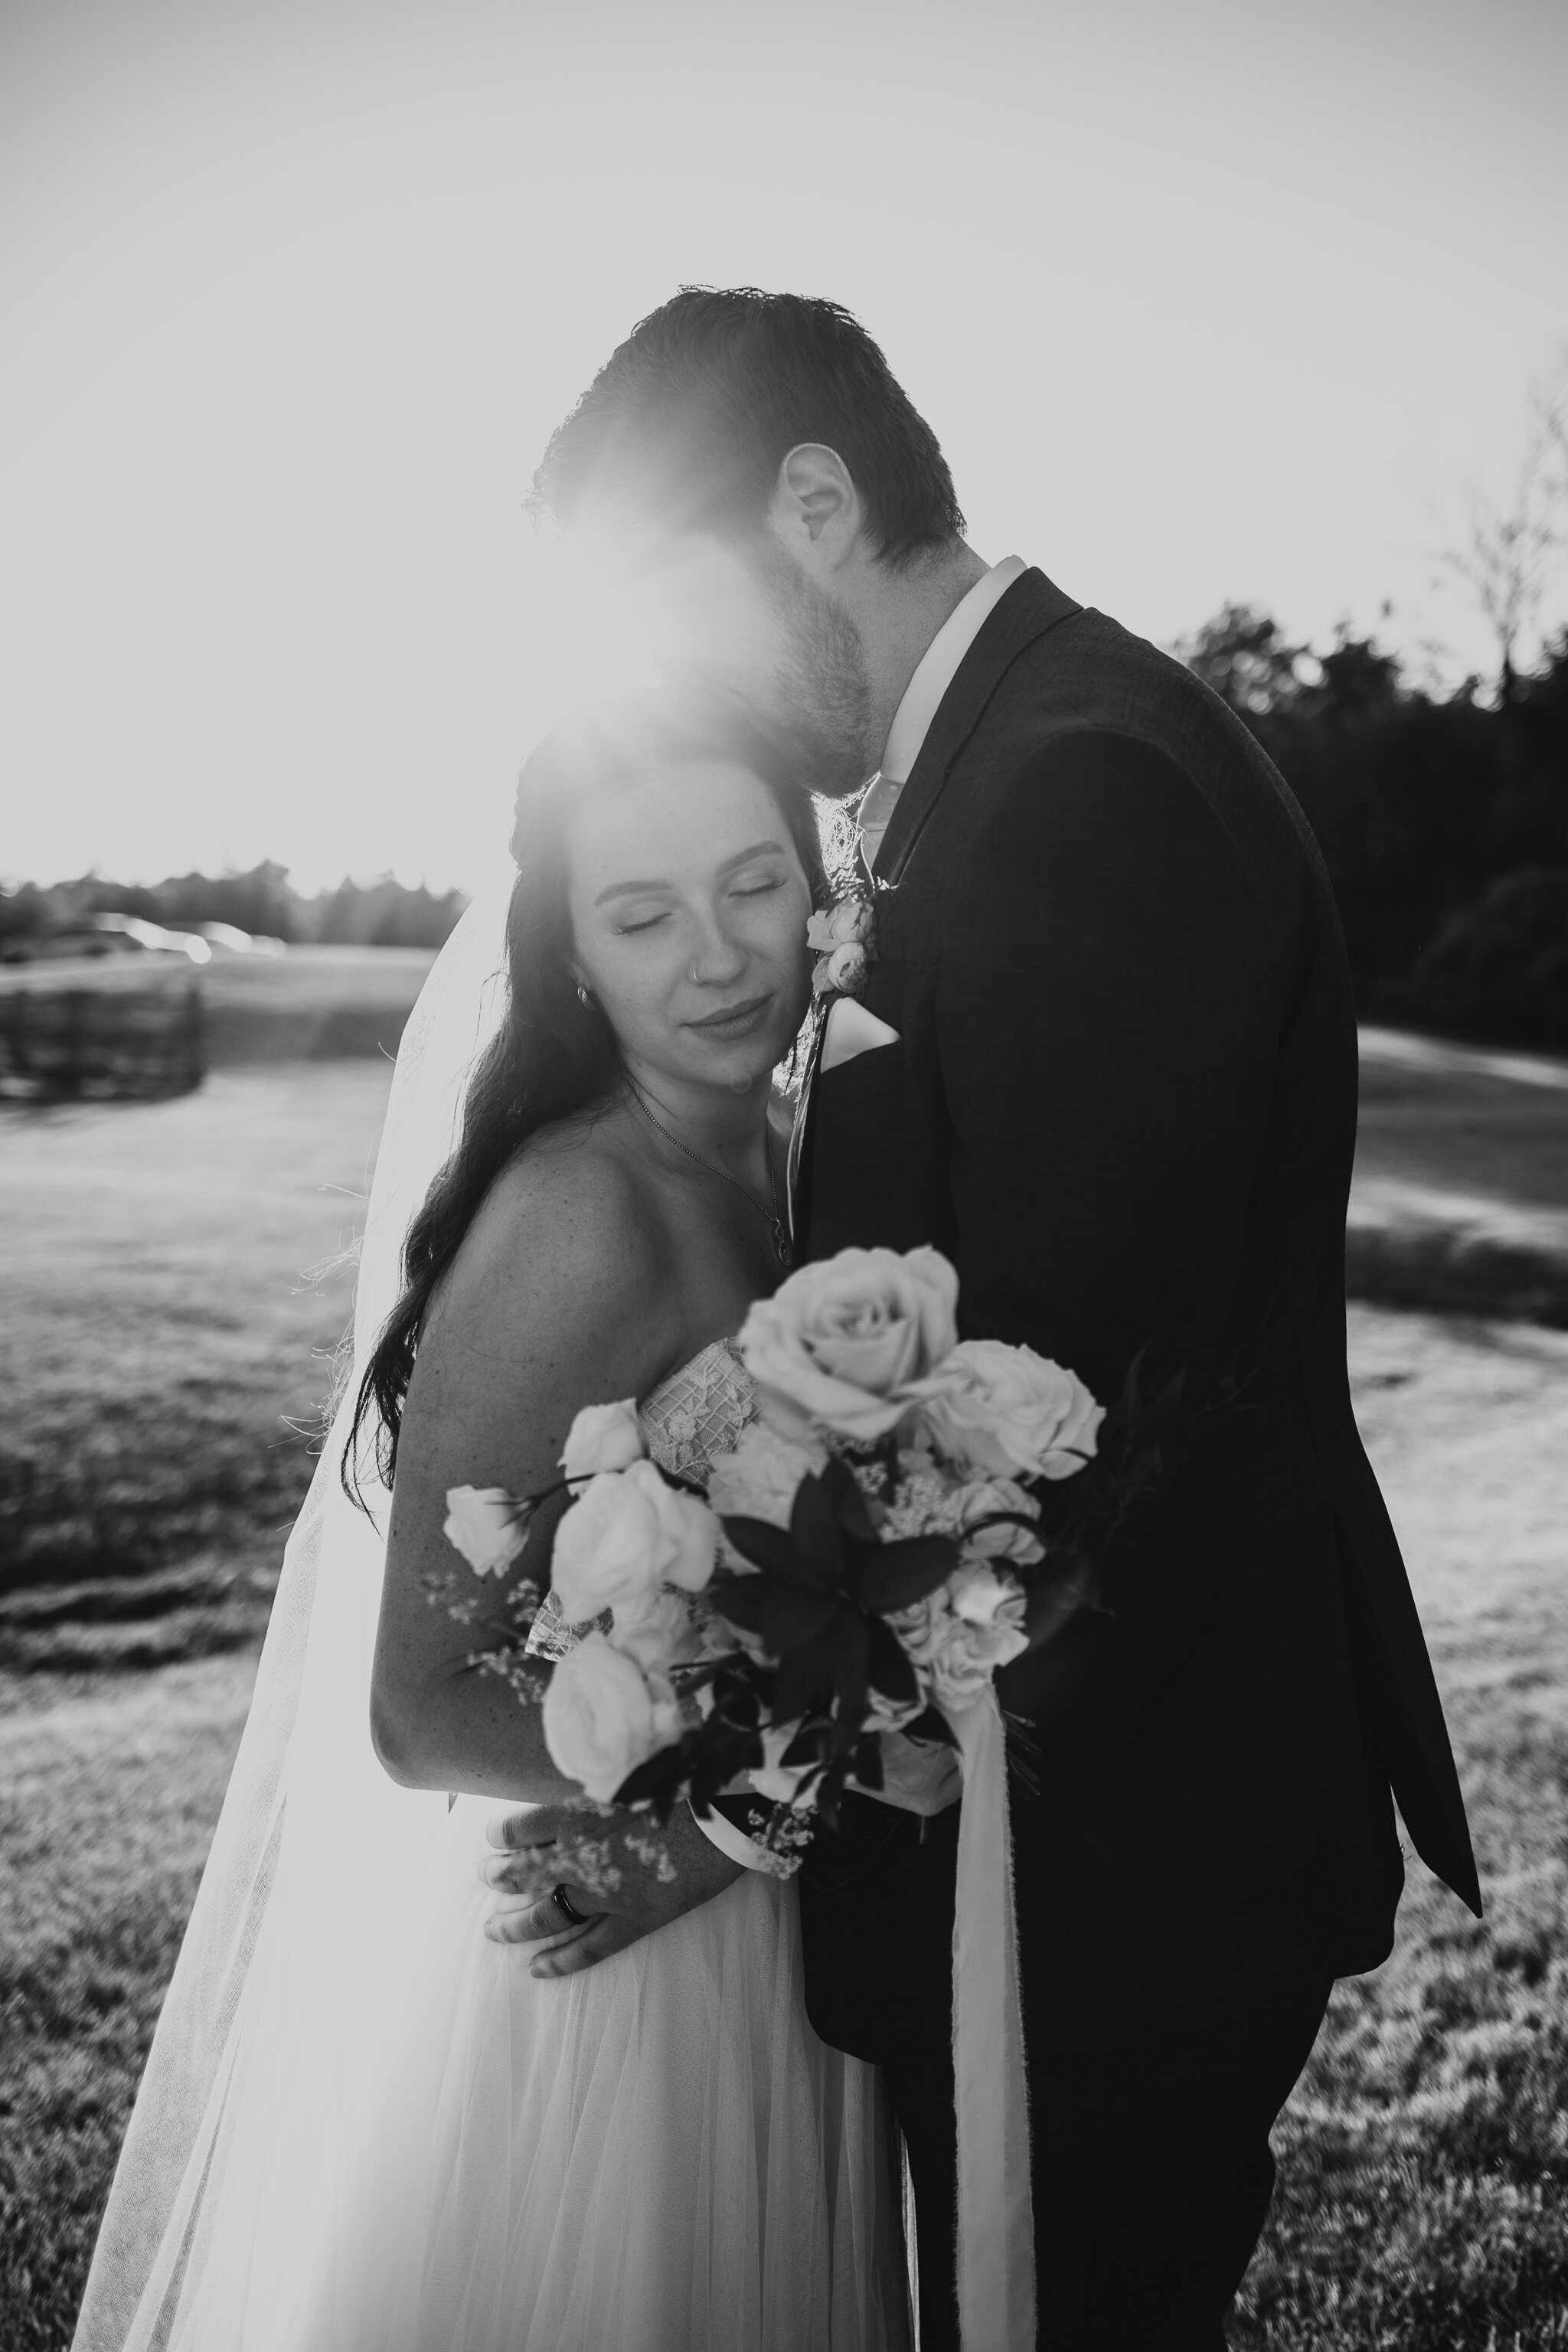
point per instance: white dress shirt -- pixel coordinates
(934, 673)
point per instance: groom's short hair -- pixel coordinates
(687, 421)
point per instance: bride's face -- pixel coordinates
(688, 909)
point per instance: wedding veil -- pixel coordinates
(268, 2037)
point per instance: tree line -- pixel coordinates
(385, 913)
(1443, 819)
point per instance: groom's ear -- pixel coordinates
(816, 507)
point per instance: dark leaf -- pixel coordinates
(1132, 1387)
(831, 1666)
(809, 1743)
(829, 1789)
(849, 1504)
(886, 1667)
(844, 1732)
(814, 1526)
(807, 1672)
(657, 1779)
(897, 1575)
(739, 1710)
(849, 1662)
(740, 1599)
(768, 1546)
(793, 1617)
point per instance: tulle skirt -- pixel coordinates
(361, 2127)
(656, 2155)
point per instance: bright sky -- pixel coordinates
(1231, 298)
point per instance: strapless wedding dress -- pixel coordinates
(656, 2155)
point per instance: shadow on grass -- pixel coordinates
(134, 1621)
(1422, 2200)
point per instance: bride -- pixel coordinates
(373, 2115)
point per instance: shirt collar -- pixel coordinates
(938, 666)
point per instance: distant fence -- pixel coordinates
(92, 1044)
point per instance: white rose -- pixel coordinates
(957, 1656)
(987, 1496)
(603, 1437)
(1007, 1411)
(608, 1547)
(604, 1717)
(977, 1594)
(760, 1478)
(690, 1532)
(844, 970)
(481, 1522)
(659, 1633)
(841, 1344)
(848, 923)
(626, 1534)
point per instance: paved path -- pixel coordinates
(1461, 1199)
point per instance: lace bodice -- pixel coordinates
(687, 1422)
(699, 1412)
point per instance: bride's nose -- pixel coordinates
(717, 961)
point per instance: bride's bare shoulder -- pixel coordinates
(568, 1223)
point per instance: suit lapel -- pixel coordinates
(795, 1162)
(1032, 605)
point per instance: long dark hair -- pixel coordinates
(554, 1057)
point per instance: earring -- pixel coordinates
(584, 999)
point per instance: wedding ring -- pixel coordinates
(567, 1908)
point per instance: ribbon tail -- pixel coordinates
(794, 1163)
(995, 2212)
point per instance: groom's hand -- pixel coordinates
(622, 1872)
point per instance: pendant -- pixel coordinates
(781, 1250)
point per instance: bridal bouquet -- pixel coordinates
(909, 1512)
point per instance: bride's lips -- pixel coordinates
(735, 1021)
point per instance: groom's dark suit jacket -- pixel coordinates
(1124, 1103)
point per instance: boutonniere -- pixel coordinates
(843, 936)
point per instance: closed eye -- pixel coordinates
(627, 930)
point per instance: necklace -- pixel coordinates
(773, 1216)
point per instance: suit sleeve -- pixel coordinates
(1109, 1001)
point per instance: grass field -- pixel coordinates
(1423, 2204)
(161, 1335)
(1424, 2162)
(159, 1339)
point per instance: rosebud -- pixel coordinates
(603, 1437)
(486, 1526)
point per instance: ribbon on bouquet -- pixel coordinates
(996, 2214)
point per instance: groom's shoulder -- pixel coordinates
(1092, 674)
(1089, 694)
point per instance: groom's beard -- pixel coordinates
(819, 696)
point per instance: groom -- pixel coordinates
(1106, 1062)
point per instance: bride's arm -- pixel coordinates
(558, 1298)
